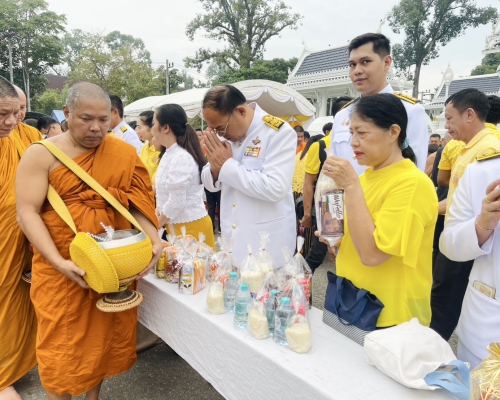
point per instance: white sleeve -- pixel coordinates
(458, 241)
(208, 180)
(274, 180)
(417, 134)
(178, 180)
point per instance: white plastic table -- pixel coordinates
(241, 367)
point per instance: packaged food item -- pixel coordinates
(230, 289)
(265, 260)
(250, 272)
(191, 271)
(298, 334)
(289, 269)
(329, 203)
(303, 272)
(485, 379)
(205, 252)
(215, 298)
(257, 320)
(222, 260)
(171, 270)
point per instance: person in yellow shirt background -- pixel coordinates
(149, 155)
(466, 113)
(390, 213)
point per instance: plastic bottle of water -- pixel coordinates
(241, 303)
(283, 313)
(230, 290)
(270, 310)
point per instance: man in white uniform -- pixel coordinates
(369, 62)
(253, 168)
(121, 129)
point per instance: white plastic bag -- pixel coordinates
(250, 272)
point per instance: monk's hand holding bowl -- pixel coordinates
(72, 271)
(341, 171)
(157, 249)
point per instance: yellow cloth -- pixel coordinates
(298, 174)
(450, 154)
(403, 203)
(151, 158)
(194, 228)
(483, 143)
(313, 162)
(17, 315)
(494, 129)
(300, 148)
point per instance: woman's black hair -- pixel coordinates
(385, 110)
(312, 139)
(147, 118)
(175, 117)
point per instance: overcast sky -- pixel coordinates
(161, 25)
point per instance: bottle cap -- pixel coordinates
(233, 275)
(285, 301)
(274, 292)
(244, 287)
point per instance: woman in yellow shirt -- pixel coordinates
(149, 154)
(390, 213)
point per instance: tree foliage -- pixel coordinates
(489, 65)
(243, 25)
(273, 70)
(50, 100)
(36, 46)
(429, 24)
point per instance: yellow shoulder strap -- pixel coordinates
(73, 166)
(60, 207)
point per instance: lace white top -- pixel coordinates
(179, 192)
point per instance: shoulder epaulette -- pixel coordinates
(405, 97)
(273, 122)
(123, 129)
(349, 103)
(484, 157)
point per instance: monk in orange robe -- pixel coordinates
(17, 316)
(24, 130)
(77, 344)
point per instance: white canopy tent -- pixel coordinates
(275, 98)
(316, 126)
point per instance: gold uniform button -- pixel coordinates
(234, 204)
(234, 226)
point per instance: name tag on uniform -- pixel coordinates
(484, 289)
(252, 151)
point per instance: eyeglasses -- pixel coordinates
(221, 133)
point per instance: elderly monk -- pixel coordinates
(78, 345)
(17, 316)
(24, 130)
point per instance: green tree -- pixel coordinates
(36, 45)
(273, 70)
(489, 65)
(244, 25)
(429, 24)
(50, 100)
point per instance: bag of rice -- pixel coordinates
(250, 272)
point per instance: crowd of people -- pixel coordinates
(420, 211)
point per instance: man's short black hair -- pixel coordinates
(224, 99)
(470, 98)
(432, 148)
(336, 106)
(45, 123)
(493, 116)
(327, 127)
(381, 45)
(298, 128)
(116, 104)
(436, 135)
(307, 135)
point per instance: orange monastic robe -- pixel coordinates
(78, 345)
(17, 316)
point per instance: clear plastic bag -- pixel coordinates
(264, 258)
(205, 252)
(192, 275)
(329, 203)
(485, 379)
(222, 262)
(303, 273)
(250, 273)
(169, 254)
(257, 320)
(289, 269)
(215, 298)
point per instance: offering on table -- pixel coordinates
(485, 379)
(250, 272)
(171, 267)
(192, 276)
(204, 252)
(161, 265)
(222, 260)
(265, 260)
(303, 272)
(230, 289)
(257, 321)
(215, 298)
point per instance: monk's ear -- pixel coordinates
(66, 112)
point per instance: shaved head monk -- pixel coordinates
(22, 129)
(77, 344)
(17, 316)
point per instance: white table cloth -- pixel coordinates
(241, 367)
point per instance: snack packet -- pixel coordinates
(329, 203)
(191, 272)
(205, 252)
(250, 272)
(161, 265)
(264, 258)
(303, 272)
(485, 378)
(222, 262)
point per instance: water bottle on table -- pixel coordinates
(241, 303)
(270, 310)
(230, 290)
(283, 314)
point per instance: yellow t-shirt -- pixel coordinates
(313, 162)
(494, 129)
(484, 143)
(298, 174)
(403, 203)
(150, 157)
(450, 154)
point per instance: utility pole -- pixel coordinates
(169, 65)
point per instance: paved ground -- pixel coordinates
(160, 373)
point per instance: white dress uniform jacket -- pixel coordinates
(125, 132)
(256, 187)
(479, 323)
(416, 132)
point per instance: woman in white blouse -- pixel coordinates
(471, 233)
(179, 191)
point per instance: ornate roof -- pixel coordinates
(324, 61)
(485, 83)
